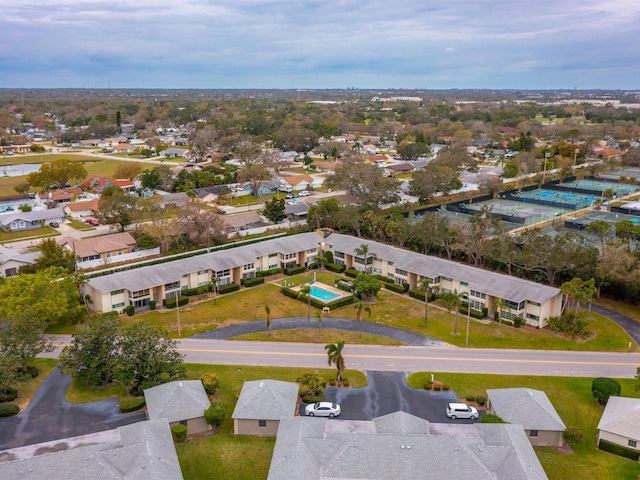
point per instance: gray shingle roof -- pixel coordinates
(527, 407)
(306, 449)
(155, 275)
(145, 451)
(176, 401)
(621, 416)
(495, 284)
(266, 400)
(33, 216)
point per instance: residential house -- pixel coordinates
(85, 208)
(175, 200)
(175, 152)
(620, 423)
(60, 195)
(400, 445)
(92, 142)
(141, 451)
(399, 168)
(11, 261)
(300, 182)
(124, 148)
(5, 149)
(379, 159)
(289, 156)
(242, 221)
(262, 405)
(296, 211)
(13, 203)
(181, 402)
(531, 409)
(30, 220)
(97, 184)
(211, 194)
(267, 188)
(104, 248)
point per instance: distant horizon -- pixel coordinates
(291, 45)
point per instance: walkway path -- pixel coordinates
(350, 325)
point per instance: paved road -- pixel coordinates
(627, 323)
(50, 416)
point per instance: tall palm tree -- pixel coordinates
(360, 308)
(363, 251)
(424, 286)
(306, 290)
(214, 285)
(499, 304)
(452, 299)
(267, 312)
(334, 355)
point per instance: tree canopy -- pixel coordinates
(57, 174)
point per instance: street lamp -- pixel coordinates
(466, 343)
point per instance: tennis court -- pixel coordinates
(552, 198)
(597, 188)
(581, 223)
(517, 212)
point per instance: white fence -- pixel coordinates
(119, 258)
(285, 224)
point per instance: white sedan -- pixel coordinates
(322, 409)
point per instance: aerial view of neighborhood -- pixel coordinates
(276, 258)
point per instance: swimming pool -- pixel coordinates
(322, 294)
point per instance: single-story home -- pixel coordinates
(30, 220)
(82, 209)
(400, 445)
(101, 247)
(261, 406)
(532, 410)
(620, 423)
(97, 184)
(267, 188)
(300, 182)
(242, 221)
(211, 194)
(399, 168)
(296, 211)
(60, 195)
(181, 402)
(174, 152)
(175, 200)
(141, 451)
(12, 203)
(11, 260)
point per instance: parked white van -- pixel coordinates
(461, 410)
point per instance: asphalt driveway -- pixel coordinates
(388, 392)
(627, 323)
(50, 416)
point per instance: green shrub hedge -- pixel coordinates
(394, 287)
(268, 273)
(351, 272)
(295, 270)
(9, 409)
(384, 279)
(131, 404)
(229, 287)
(9, 394)
(252, 282)
(130, 310)
(179, 433)
(171, 302)
(332, 267)
(473, 312)
(619, 450)
(344, 286)
(419, 294)
(311, 399)
(317, 303)
(491, 418)
(481, 400)
(190, 292)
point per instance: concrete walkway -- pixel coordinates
(350, 325)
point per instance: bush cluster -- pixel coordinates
(131, 404)
(171, 302)
(311, 398)
(464, 307)
(268, 273)
(332, 267)
(572, 436)
(295, 270)
(9, 394)
(394, 287)
(419, 294)
(210, 382)
(619, 450)
(216, 414)
(602, 388)
(351, 272)
(179, 433)
(130, 310)
(202, 289)
(491, 418)
(9, 409)
(428, 385)
(571, 325)
(229, 287)
(251, 282)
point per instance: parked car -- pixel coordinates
(461, 410)
(91, 221)
(303, 193)
(288, 196)
(322, 409)
(54, 224)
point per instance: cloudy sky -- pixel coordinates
(320, 43)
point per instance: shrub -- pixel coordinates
(351, 272)
(179, 433)
(619, 450)
(428, 385)
(268, 273)
(131, 404)
(152, 304)
(517, 322)
(332, 267)
(419, 294)
(572, 436)
(130, 310)
(437, 388)
(171, 302)
(31, 372)
(445, 387)
(229, 287)
(602, 388)
(571, 325)
(344, 286)
(9, 394)
(215, 414)
(251, 282)
(328, 257)
(311, 399)
(345, 382)
(491, 418)
(470, 398)
(384, 279)
(313, 383)
(394, 287)
(481, 400)
(9, 409)
(295, 270)
(210, 382)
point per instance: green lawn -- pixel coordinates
(27, 390)
(78, 225)
(323, 336)
(576, 406)
(35, 234)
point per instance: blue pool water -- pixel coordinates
(322, 294)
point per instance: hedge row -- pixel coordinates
(9, 394)
(268, 273)
(131, 404)
(463, 308)
(317, 303)
(171, 302)
(345, 287)
(351, 272)
(394, 287)
(250, 282)
(619, 450)
(9, 409)
(190, 292)
(419, 294)
(295, 270)
(229, 287)
(332, 267)
(384, 279)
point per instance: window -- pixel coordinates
(533, 317)
(312, 250)
(262, 423)
(464, 284)
(117, 306)
(249, 266)
(401, 272)
(183, 422)
(288, 256)
(203, 272)
(338, 255)
(632, 443)
(533, 433)
(222, 273)
(377, 270)
(116, 292)
(514, 305)
(475, 305)
(140, 293)
(172, 286)
(436, 280)
(477, 294)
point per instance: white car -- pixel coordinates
(303, 193)
(322, 409)
(461, 410)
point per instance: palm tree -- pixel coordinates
(499, 304)
(363, 251)
(360, 308)
(451, 299)
(424, 286)
(214, 285)
(334, 354)
(267, 311)
(306, 290)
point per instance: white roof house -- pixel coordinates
(176, 401)
(392, 447)
(266, 399)
(620, 422)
